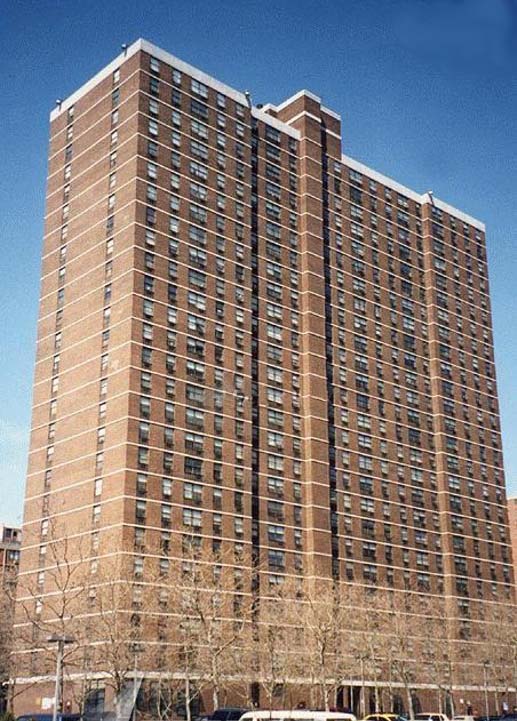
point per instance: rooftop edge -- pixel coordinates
(155, 51)
(419, 198)
(260, 113)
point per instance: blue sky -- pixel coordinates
(426, 90)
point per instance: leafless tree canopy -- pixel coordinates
(195, 628)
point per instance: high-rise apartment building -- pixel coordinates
(247, 336)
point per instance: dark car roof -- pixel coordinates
(49, 716)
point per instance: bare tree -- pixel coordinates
(278, 644)
(49, 603)
(369, 639)
(182, 657)
(499, 635)
(7, 592)
(326, 615)
(119, 627)
(214, 616)
(437, 647)
(404, 618)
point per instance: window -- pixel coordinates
(198, 88)
(150, 216)
(194, 418)
(197, 279)
(275, 463)
(200, 110)
(197, 235)
(199, 150)
(96, 514)
(165, 515)
(367, 506)
(193, 493)
(176, 77)
(276, 534)
(276, 559)
(140, 511)
(192, 517)
(194, 443)
(154, 87)
(152, 193)
(138, 565)
(274, 332)
(221, 101)
(193, 467)
(153, 107)
(166, 487)
(275, 486)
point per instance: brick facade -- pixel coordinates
(246, 334)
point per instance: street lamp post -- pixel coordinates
(485, 665)
(363, 699)
(135, 687)
(61, 642)
(451, 694)
(515, 682)
(136, 650)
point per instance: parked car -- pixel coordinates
(383, 717)
(431, 716)
(227, 714)
(49, 717)
(463, 718)
(298, 715)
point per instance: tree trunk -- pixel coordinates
(409, 699)
(325, 695)
(271, 700)
(118, 705)
(249, 696)
(11, 695)
(311, 694)
(187, 698)
(390, 691)
(215, 687)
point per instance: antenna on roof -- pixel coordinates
(58, 103)
(431, 196)
(248, 97)
(124, 48)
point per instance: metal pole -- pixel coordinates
(450, 690)
(363, 700)
(514, 683)
(135, 692)
(485, 664)
(57, 687)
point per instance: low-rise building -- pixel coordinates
(10, 543)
